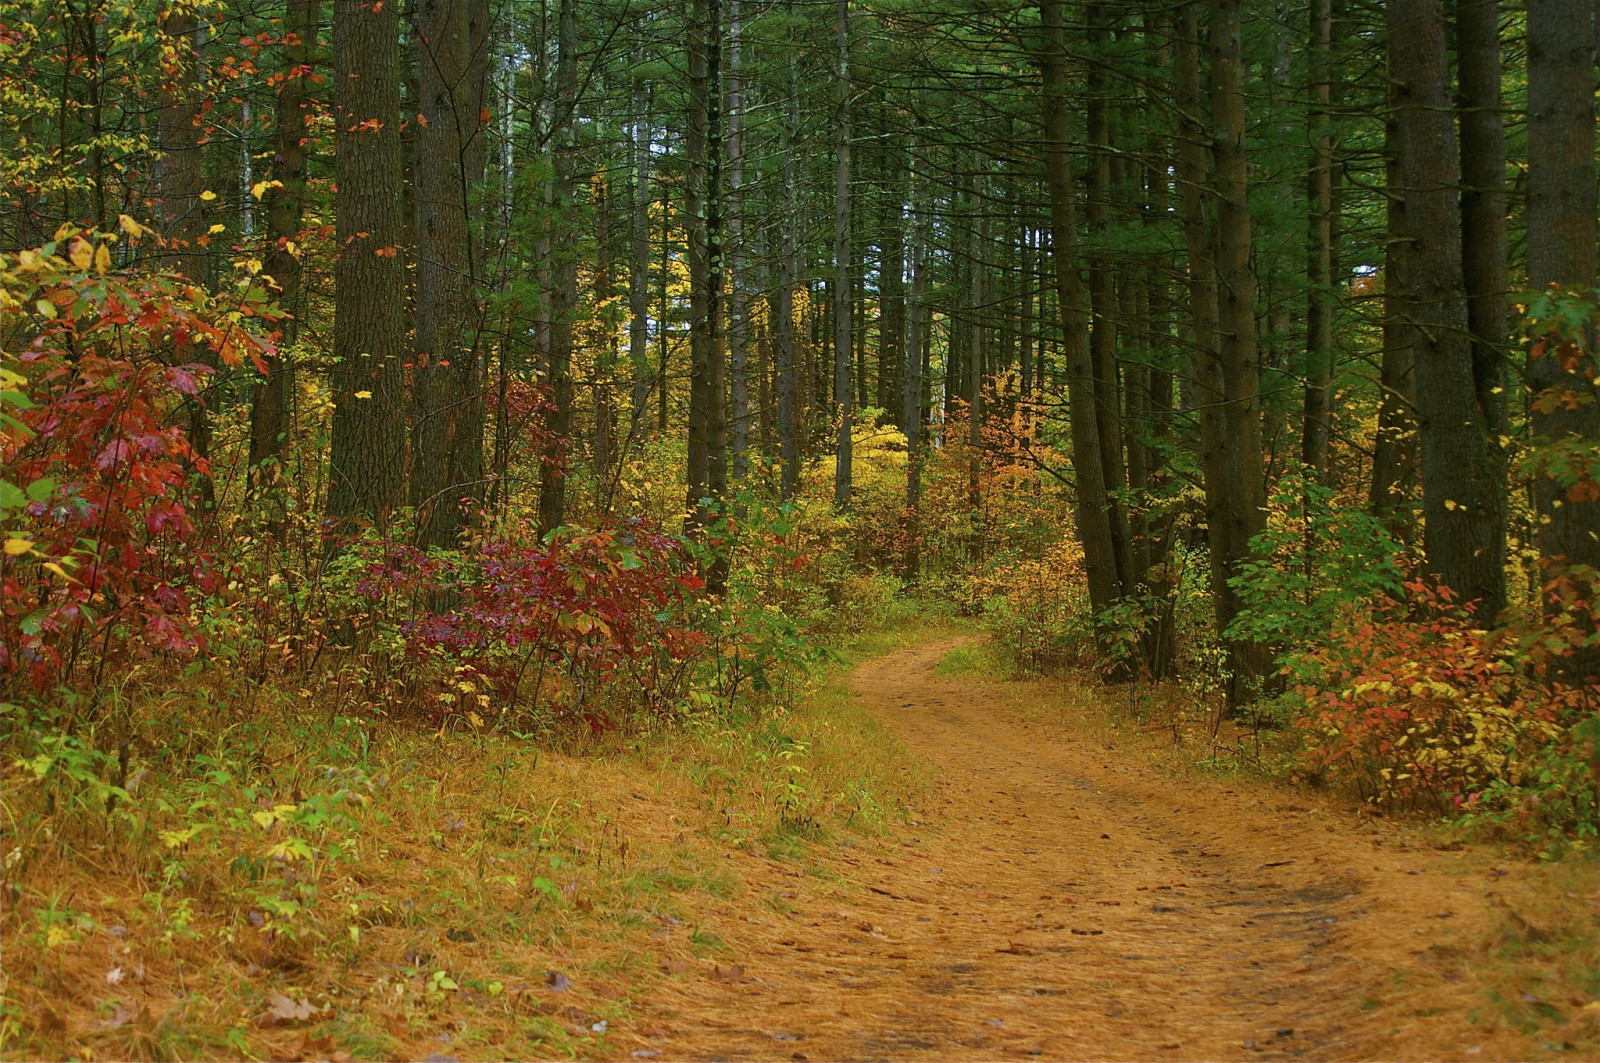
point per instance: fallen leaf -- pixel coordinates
(730, 975)
(677, 966)
(120, 1015)
(114, 976)
(557, 981)
(281, 1009)
(646, 1053)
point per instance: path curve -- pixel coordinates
(1075, 903)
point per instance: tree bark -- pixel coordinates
(738, 297)
(367, 463)
(1199, 244)
(1483, 228)
(269, 409)
(447, 473)
(1316, 413)
(1561, 250)
(1091, 509)
(1394, 454)
(564, 271)
(1463, 533)
(639, 271)
(842, 392)
(911, 407)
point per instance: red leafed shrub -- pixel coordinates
(98, 559)
(557, 620)
(1419, 707)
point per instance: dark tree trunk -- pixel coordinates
(738, 297)
(1394, 454)
(447, 473)
(1236, 287)
(269, 409)
(367, 464)
(1091, 509)
(1463, 533)
(1483, 227)
(1199, 245)
(1561, 250)
(1314, 428)
(841, 258)
(911, 411)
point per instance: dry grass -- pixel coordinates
(448, 876)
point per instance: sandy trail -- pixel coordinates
(1074, 903)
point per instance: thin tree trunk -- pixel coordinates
(912, 380)
(639, 272)
(1483, 228)
(1394, 453)
(841, 258)
(1314, 429)
(738, 299)
(270, 406)
(564, 290)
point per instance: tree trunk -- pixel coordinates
(1091, 509)
(911, 411)
(841, 258)
(1463, 533)
(979, 266)
(270, 407)
(1483, 228)
(1394, 454)
(367, 463)
(788, 277)
(1236, 287)
(1561, 250)
(639, 271)
(448, 405)
(738, 298)
(182, 215)
(1199, 245)
(1314, 428)
(564, 289)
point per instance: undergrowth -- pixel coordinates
(286, 881)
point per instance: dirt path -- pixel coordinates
(1074, 903)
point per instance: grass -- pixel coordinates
(406, 891)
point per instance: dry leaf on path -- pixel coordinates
(282, 1009)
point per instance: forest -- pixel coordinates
(530, 526)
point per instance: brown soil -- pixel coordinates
(1074, 901)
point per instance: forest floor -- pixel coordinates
(1071, 897)
(987, 868)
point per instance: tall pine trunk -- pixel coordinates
(1463, 533)
(1245, 511)
(447, 474)
(367, 463)
(1561, 250)
(842, 392)
(1091, 509)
